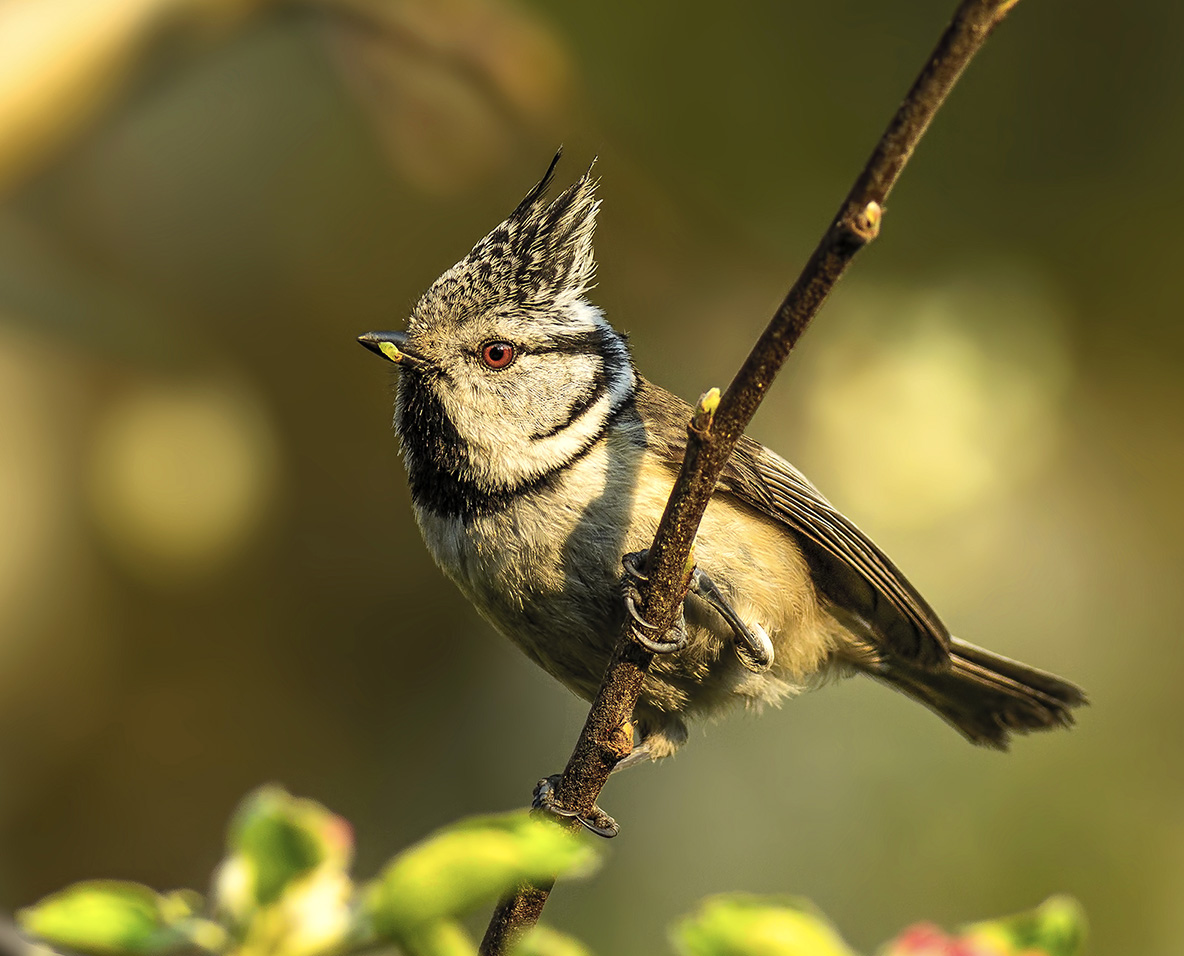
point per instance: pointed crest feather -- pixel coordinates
(540, 257)
(535, 196)
(553, 243)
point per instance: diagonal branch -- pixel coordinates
(604, 739)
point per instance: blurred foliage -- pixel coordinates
(284, 890)
(461, 868)
(449, 84)
(755, 926)
(109, 918)
(209, 572)
(733, 926)
(61, 61)
(542, 940)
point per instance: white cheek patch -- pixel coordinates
(508, 460)
(523, 428)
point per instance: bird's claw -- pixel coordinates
(753, 647)
(634, 561)
(633, 564)
(597, 821)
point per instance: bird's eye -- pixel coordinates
(497, 354)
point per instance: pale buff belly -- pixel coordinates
(545, 572)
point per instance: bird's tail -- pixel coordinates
(988, 697)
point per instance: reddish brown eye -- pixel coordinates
(497, 354)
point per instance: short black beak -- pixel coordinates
(392, 346)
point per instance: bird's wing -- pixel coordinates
(848, 569)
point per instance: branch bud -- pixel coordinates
(866, 224)
(705, 412)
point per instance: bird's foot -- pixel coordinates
(640, 629)
(753, 647)
(596, 820)
(634, 564)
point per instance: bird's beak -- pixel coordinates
(393, 346)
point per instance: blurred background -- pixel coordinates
(209, 572)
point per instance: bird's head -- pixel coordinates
(508, 370)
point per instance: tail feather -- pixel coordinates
(988, 697)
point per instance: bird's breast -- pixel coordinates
(545, 571)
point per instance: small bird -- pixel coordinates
(538, 457)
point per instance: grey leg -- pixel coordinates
(755, 650)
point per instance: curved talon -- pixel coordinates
(634, 613)
(680, 641)
(758, 656)
(600, 823)
(543, 797)
(653, 645)
(631, 562)
(596, 820)
(634, 561)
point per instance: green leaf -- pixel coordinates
(544, 941)
(468, 864)
(756, 926)
(276, 840)
(443, 938)
(109, 917)
(1057, 928)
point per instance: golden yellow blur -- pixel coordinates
(210, 577)
(33, 483)
(938, 417)
(61, 60)
(180, 476)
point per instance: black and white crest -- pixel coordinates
(538, 259)
(486, 430)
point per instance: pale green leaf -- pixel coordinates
(756, 926)
(1057, 928)
(469, 864)
(544, 941)
(275, 841)
(442, 938)
(109, 917)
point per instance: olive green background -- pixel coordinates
(210, 576)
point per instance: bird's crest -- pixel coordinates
(540, 257)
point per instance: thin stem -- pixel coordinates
(856, 224)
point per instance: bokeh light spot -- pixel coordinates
(924, 405)
(181, 476)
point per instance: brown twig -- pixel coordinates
(713, 437)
